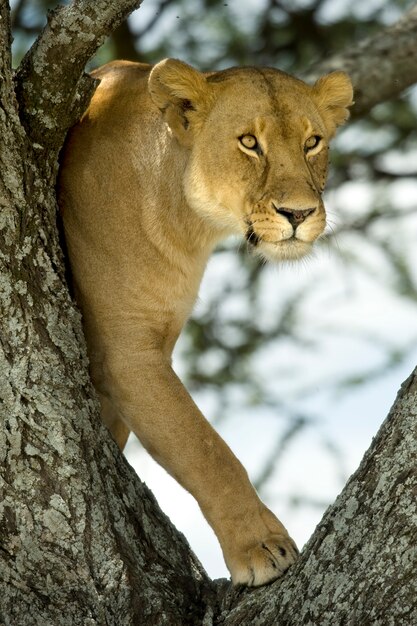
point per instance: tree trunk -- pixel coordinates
(82, 540)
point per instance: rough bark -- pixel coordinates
(52, 89)
(360, 565)
(82, 541)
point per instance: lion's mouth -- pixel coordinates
(254, 239)
(289, 249)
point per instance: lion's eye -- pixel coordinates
(249, 141)
(312, 142)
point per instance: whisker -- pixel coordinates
(333, 237)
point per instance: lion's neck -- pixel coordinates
(174, 252)
(184, 238)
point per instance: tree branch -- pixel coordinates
(381, 67)
(5, 54)
(51, 88)
(359, 567)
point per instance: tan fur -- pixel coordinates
(152, 177)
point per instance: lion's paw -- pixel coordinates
(263, 562)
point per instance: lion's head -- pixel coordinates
(258, 148)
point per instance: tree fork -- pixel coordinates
(82, 541)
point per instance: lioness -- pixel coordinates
(166, 162)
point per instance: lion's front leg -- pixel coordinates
(156, 406)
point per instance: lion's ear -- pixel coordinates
(181, 94)
(334, 94)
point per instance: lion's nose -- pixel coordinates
(294, 216)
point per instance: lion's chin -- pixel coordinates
(286, 250)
